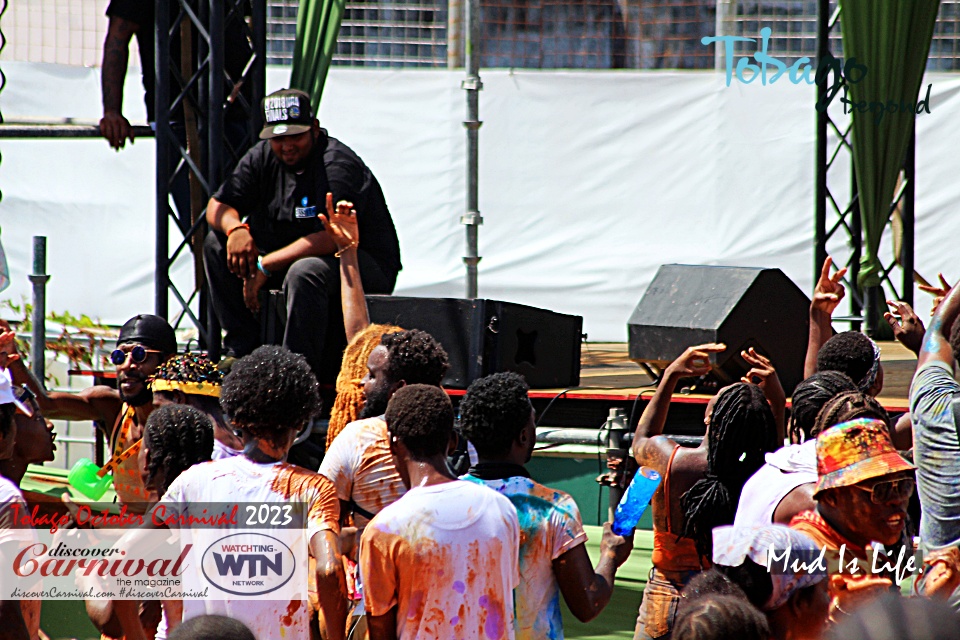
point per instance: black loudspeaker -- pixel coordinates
(488, 336)
(741, 307)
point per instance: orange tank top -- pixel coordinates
(673, 552)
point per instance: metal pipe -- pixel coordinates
(908, 217)
(63, 131)
(820, 201)
(472, 85)
(597, 437)
(39, 278)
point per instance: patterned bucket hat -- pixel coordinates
(854, 451)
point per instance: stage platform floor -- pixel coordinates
(608, 377)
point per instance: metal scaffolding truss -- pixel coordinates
(206, 120)
(844, 214)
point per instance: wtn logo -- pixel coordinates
(233, 564)
(251, 564)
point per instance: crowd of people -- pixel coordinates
(402, 546)
(422, 520)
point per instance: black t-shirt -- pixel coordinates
(281, 205)
(237, 49)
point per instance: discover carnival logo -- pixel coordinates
(248, 564)
(801, 70)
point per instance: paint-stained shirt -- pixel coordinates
(550, 525)
(446, 556)
(240, 480)
(361, 467)
(936, 452)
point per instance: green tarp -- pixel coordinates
(318, 23)
(891, 38)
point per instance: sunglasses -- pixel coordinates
(888, 490)
(138, 354)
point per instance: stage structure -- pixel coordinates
(882, 160)
(219, 112)
(207, 117)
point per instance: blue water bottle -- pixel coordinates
(635, 500)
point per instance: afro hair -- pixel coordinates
(421, 417)
(177, 437)
(849, 352)
(415, 357)
(269, 392)
(494, 412)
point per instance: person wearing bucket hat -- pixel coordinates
(265, 233)
(862, 492)
(145, 341)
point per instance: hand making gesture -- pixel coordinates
(341, 223)
(908, 329)
(695, 361)
(829, 290)
(763, 374)
(939, 293)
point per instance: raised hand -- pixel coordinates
(8, 347)
(829, 290)
(695, 361)
(909, 329)
(763, 374)
(939, 293)
(341, 223)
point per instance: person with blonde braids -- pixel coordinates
(349, 400)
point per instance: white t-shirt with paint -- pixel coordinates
(446, 556)
(240, 480)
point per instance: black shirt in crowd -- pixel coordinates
(281, 205)
(237, 49)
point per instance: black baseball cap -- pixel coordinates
(286, 113)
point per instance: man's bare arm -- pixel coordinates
(242, 251)
(936, 341)
(315, 244)
(342, 226)
(116, 51)
(584, 590)
(331, 583)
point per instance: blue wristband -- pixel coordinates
(260, 266)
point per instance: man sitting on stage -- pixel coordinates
(265, 233)
(497, 418)
(145, 341)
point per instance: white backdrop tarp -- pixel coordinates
(588, 182)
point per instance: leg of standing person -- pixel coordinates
(226, 293)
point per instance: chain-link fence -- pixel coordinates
(543, 34)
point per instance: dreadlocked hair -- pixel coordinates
(849, 406)
(810, 396)
(349, 400)
(177, 437)
(742, 430)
